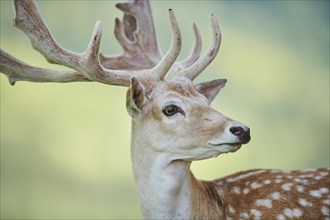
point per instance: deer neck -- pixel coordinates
(163, 185)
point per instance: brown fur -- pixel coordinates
(264, 194)
(206, 197)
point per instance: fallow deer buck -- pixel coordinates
(172, 122)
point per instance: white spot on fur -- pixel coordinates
(264, 202)
(275, 171)
(297, 180)
(276, 195)
(246, 191)
(324, 173)
(292, 213)
(231, 209)
(315, 193)
(308, 170)
(304, 202)
(255, 185)
(318, 177)
(267, 182)
(244, 215)
(280, 217)
(304, 181)
(278, 180)
(326, 201)
(324, 190)
(287, 186)
(236, 190)
(234, 179)
(256, 214)
(325, 211)
(300, 188)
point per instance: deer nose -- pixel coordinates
(242, 133)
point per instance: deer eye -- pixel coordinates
(171, 110)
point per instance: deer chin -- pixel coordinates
(225, 147)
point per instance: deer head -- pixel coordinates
(174, 116)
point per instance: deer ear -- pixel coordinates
(135, 97)
(210, 89)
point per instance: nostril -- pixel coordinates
(242, 134)
(237, 131)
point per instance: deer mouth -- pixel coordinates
(242, 140)
(222, 144)
(226, 147)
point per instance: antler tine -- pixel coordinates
(121, 36)
(168, 60)
(132, 57)
(17, 70)
(137, 36)
(28, 18)
(195, 53)
(141, 10)
(194, 70)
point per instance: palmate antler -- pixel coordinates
(135, 33)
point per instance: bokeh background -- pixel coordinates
(65, 147)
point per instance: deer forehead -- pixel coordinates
(180, 91)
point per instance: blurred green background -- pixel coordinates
(65, 147)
